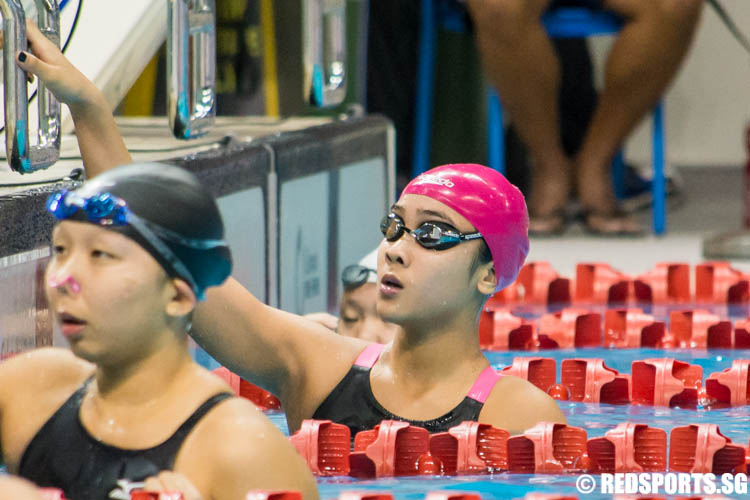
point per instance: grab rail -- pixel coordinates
(22, 156)
(325, 51)
(191, 47)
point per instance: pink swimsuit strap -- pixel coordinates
(369, 356)
(484, 384)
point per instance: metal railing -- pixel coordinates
(325, 51)
(22, 156)
(191, 66)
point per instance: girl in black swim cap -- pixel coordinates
(128, 408)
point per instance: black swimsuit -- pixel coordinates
(64, 455)
(353, 404)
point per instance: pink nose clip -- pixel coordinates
(57, 282)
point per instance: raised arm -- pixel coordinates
(297, 359)
(99, 139)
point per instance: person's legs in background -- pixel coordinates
(520, 62)
(577, 101)
(644, 58)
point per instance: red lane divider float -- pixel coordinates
(718, 282)
(599, 283)
(702, 448)
(652, 382)
(395, 451)
(540, 284)
(398, 449)
(666, 283)
(665, 382)
(499, 329)
(699, 329)
(630, 328)
(548, 448)
(262, 398)
(570, 328)
(156, 495)
(273, 495)
(542, 372)
(471, 448)
(52, 494)
(591, 381)
(630, 447)
(731, 385)
(742, 334)
(325, 447)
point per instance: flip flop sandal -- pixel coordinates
(610, 217)
(552, 224)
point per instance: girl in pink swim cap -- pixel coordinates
(456, 235)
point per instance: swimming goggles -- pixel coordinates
(355, 276)
(108, 210)
(431, 235)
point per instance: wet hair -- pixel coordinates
(172, 199)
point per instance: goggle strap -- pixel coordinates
(472, 236)
(164, 251)
(198, 244)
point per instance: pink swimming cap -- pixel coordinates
(494, 206)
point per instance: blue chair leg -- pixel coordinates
(618, 174)
(495, 132)
(658, 184)
(425, 84)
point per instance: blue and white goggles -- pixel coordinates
(107, 209)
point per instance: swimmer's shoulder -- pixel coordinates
(516, 404)
(241, 444)
(33, 386)
(43, 369)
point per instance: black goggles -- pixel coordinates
(431, 235)
(355, 276)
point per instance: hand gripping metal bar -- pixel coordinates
(191, 48)
(22, 156)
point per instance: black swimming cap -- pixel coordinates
(169, 198)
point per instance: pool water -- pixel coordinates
(595, 418)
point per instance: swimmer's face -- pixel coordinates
(358, 317)
(420, 285)
(108, 294)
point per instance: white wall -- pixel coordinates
(708, 105)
